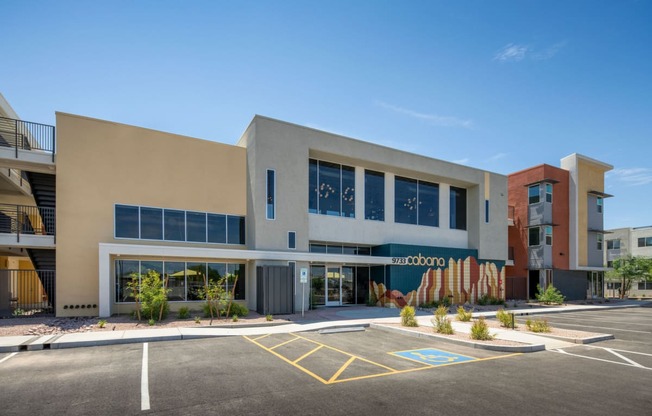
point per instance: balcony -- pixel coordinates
(27, 226)
(510, 215)
(27, 146)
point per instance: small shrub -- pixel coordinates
(505, 318)
(18, 312)
(551, 295)
(486, 299)
(269, 318)
(408, 317)
(539, 325)
(184, 312)
(151, 322)
(101, 323)
(446, 301)
(441, 323)
(235, 318)
(463, 315)
(238, 309)
(480, 330)
(197, 320)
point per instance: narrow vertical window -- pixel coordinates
(548, 235)
(599, 204)
(292, 240)
(271, 194)
(599, 241)
(486, 210)
(313, 187)
(457, 208)
(374, 195)
(549, 192)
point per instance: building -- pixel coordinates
(623, 242)
(556, 232)
(291, 216)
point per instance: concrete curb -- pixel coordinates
(587, 340)
(504, 348)
(541, 310)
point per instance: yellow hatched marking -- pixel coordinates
(283, 343)
(334, 379)
(305, 370)
(261, 337)
(426, 367)
(341, 370)
(307, 354)
(346, 353)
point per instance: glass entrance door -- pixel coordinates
(333, 286)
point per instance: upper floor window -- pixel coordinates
(533, 194)
(374, 195)
(645, 242)
(613, 244)
(548, 230)
(148, 223)
(599, 241)
(534, 236)
(458, 208)
(549, 192)
(271, 194)
(599, 202)
(331, 189)
(416, 202)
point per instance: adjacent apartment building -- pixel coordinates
(556, 232)
(288, 216)
(623, 242)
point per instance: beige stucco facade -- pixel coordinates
(101, 163)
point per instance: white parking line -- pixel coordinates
(603, 327)
(628, 362)
(144, 381)
(8, 357)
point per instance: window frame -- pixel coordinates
(292, 240)
(417, 201)
(538, 196)
(242, 226)
(547, 231)
(599, 201)
(370, 211)
(538, 237)
(548, 196)
(270, 207)
(600, 242)
(350, 211)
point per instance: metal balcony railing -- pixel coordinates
(26, 135)
(23, 219)
(31, 292)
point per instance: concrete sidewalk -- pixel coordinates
(320, 319)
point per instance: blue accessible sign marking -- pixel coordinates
(432, 356)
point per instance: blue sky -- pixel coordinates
(498, 85)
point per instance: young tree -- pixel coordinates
(150, 293)
(215, 295)
(628, 270)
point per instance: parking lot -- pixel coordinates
(360, 372)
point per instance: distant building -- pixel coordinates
(556, 233)
(623, 242)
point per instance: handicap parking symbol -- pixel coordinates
(433, 357)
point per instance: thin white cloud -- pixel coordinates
(464, 161)
(496, 157)
(548, 52)
(631, 176)
(511, 53)
(514, 52)
(436, 119)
